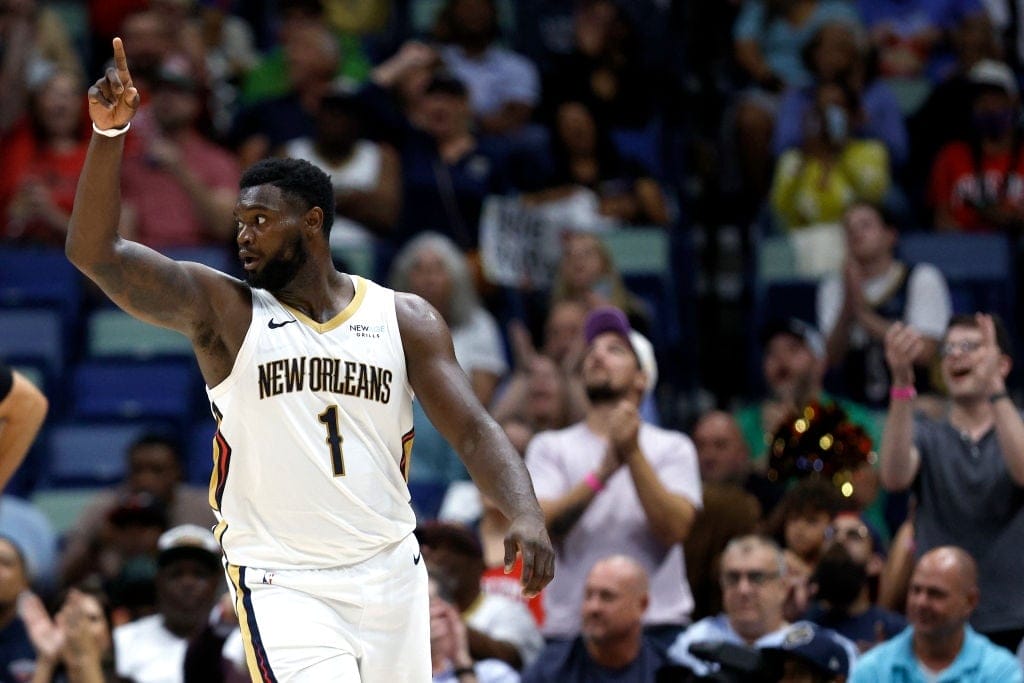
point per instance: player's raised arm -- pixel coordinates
(140, 280)
(493, 463)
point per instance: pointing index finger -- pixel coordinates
(121, 61)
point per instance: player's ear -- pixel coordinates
(315, 219)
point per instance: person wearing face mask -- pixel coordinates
(814, 183)
(976, 183)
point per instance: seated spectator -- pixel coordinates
(840, 590)
(366, 175)
(450, 660)
(976, 182)
(178, 188)
(875, 289)
(17, 656)
(29, 527)
(585, 157)
(153, 469)
(503, 86)
(496, 627)
(611, 644)
(22, 411)
(807, 654)
(838, 53)
(831, 169)
(76, 644)
(939, 644)
(754, 589)
(976, 446)
(43, 155)
(152, 649)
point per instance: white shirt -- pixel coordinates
(477, 343)
(146, 652)
(495, 78)
(507, 620)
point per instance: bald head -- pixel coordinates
(624, 570)
(943, 593)
(721, 450)
(614, 601)
(953, 561)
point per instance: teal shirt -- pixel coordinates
(978, 662)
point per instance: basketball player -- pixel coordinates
(310, 374)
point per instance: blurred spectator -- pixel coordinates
(586, 157)
(976, 182)
(17, 656)
(29, 527)
(43, 156)
(803, 517)
(151, 44)
(22, 411)
(838, 53)
(910, 37)
(497, 627)
(309, 61)
(154, 469)
(587, 274)
(76, 644)
(450, 660)
(33, 43)
(301, 28)
(613, 484)
(366, 175)
(939, 644)
(840, 588)
(978, 446)
(875, 289)
(360, 17)
(832, 169)
(807, 653)
(753, 576)
(768, 38)
(503, 86)
(604, 69)
(179, 189)
(611, 644)
(794, 368)
(152, 649)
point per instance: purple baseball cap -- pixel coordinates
(611, 319)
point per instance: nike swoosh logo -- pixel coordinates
(416, 558)
(272, 325)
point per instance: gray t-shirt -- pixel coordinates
(967, 498)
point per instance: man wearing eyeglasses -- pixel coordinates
(753, 593)
(967, 469)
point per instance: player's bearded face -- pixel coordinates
(277, 272)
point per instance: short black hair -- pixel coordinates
(887, 216)
(1003, 340)
(157, 438)
(299, 180)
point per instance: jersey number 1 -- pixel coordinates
(329, 418)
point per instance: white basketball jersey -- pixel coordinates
(314, 434)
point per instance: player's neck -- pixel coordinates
(318, 292)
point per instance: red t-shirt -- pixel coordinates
(497, 582)
(955, 184)
(23, 161)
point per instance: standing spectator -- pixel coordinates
(874, 290)
(613, 484)
(497, 627)
(967, 468)
(832, 169)
(22, 411)
(504, 87)
(611, 644)
(939, 643)
(178, 188)
(42, 158)
(17, 656)
(152, 649)
(976, 183)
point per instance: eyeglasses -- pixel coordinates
(965, 346)
(853, 533)
(755, 578)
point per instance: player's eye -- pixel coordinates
(260, 220)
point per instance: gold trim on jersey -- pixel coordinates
(336, 321)
(406, 462)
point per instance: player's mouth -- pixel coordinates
(249, 261)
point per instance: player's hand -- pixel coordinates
(528, 535)
(902, 345)
(113, 99)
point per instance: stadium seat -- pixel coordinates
(111, 332)
(89, 454)
(198, 456)
(35, 277)
(33, 336)
(153, 389)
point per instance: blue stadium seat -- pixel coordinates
(33, 336)
(198, 455)
(119, 390)
(111, 333)
(89, 454)
(33, 277)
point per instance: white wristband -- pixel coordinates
(111, 132)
